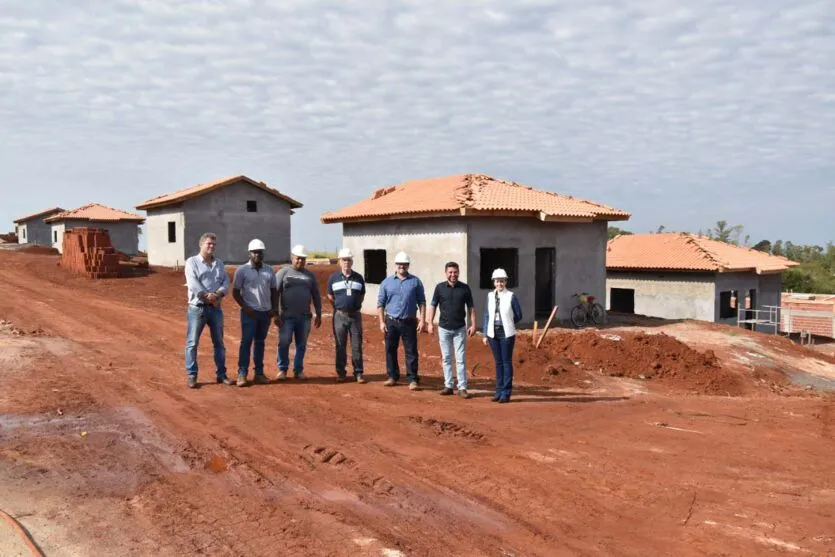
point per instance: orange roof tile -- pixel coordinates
(95, 212)
(42, 213)
(688, 252)
(200, 189)
(471, 194)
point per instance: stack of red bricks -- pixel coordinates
(815, 314)
(88, 251)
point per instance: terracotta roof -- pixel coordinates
(41, 214)
(471, 194)
(95, 212)
(688, 252)
(200, 189)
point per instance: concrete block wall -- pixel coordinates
(88, 252)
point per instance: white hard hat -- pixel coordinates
(402, 257)
(256, 244)
(345, 253)
(298, 251)
(499, 274)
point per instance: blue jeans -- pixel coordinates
(253, 329)
(407, 330)
(458, 338)
(503, 355)
(199, 317)
(297, 327)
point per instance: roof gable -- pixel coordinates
(202, 189)
(96, 212)
(688, 252)
(43, 213)
(471, 195)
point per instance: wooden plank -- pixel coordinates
(548, 324)
(535, 326)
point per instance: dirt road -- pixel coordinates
(105, 451)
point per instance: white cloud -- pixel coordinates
(708, 110)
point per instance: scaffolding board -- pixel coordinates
(768, 316)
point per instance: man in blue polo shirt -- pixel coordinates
(346, 291)
(401, 297)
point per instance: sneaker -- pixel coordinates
(261, 379)
(413, 386)
(390, 383)
(300, 376)
(360, 379)
(225, 381)
(463, 393)
(446, 391)
(281, 375)
(192, 382)
(241, 382)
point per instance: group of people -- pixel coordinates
(290, 299)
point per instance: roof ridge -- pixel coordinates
(691, 238)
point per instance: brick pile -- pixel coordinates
(88, 251)
(816, 316)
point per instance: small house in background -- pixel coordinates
(33, 230)
(552, 246)
(236, 209)
(686, 276)
(122, 227)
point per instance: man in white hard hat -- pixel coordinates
(346, 291)
(400, 299)
(254, 288)
(297, 289)
(208, 284)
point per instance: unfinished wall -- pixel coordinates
(668, 295)
(771, 287)
(224, 212)
(124, 235)
(580, 258)
(160, 251)
(429, 242)
(742, 283)
(36, 232)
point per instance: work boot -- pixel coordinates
(446, 391)
(191, 382)
(463, 393)
(281, 376)
(225, 381)
(241, 382)
(413, 386)
(360, 379)
(261, 379)
(390, 383)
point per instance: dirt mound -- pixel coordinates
(39, 250)
(655, 357)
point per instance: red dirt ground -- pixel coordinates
(589, 459)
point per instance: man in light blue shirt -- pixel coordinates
(207, 284)
(400, 298)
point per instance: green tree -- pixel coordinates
(615, 231)
(724, 233)
(777, 249)
(763, 245)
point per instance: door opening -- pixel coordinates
(546, 273)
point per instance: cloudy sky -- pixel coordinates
(682, 113)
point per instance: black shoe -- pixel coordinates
(496, 398)
(504, 400)
(446, 391)
(225, 381)
(192, 382)
(341, 378)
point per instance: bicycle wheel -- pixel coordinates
(597, 313)
(578, 316)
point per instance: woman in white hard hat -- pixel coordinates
(501, 315)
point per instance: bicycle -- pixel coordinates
(586, 309)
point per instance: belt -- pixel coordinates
(401, 320)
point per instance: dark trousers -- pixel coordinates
(503, 355)
(407, 330)
(345, 326)
(253, 330)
